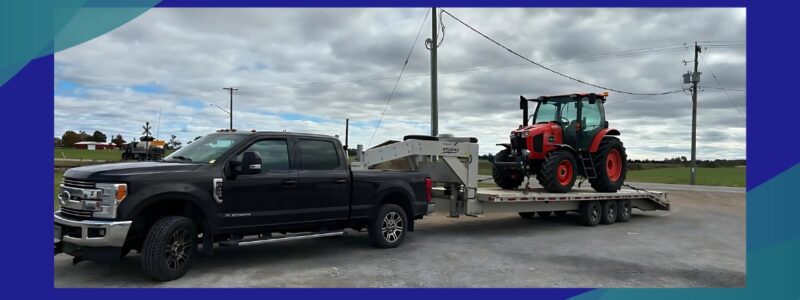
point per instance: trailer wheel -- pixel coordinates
(611, 164)
(169, 248)
(590, 213)
(526, 215)
(609, 212)
(558, 171)
(388, 229)
(544, 214)
(506, 178)
(624, 210)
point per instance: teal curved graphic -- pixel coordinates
(37, 28)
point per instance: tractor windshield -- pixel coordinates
(557, 110)
(205, 150)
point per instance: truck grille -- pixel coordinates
(76, 212)
(78, 183)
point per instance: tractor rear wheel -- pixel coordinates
(558, 172)
(611, 165)
(504, 177)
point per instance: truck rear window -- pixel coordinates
(318, 155)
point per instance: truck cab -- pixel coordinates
(231, 189)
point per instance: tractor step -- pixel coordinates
(588, 165)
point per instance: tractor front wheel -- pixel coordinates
(611, 165)
(504, 177)
(558, 172)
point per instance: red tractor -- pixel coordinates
(568, 136)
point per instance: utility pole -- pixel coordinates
(695, 79)
(346, 133)
(230, 110)
(434, 88)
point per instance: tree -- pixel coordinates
(118, 140)
(174, 143)
(57, 142)
(146, 131)
(98, 136)
(84, 136)
(70, 138)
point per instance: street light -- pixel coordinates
(226, 111)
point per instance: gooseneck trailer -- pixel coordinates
(452, 164)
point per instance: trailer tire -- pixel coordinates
(611, 165)
(506, 178)
(544, 214)
(558, 172)
(590, 213)
(609, 212)
(390, 226)
(624, 210)
(526, 215)
(176, 234)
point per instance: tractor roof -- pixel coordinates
(602, 96)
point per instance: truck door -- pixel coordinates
(266, 198)
(323, 180)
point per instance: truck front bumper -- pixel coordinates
(90, 233)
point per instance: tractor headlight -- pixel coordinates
(525, 153)
(525, 134)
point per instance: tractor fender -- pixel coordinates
(506, 145)
(600, 136)
(568, 148)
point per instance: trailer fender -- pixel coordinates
(599, 137)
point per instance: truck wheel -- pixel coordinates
(611, 166)
(544, 214)
(504, 177)
(169, 248)
(609, 212)
(590, 213)
(558, 172)
(624, 210)
(526, 215)
(388, 229)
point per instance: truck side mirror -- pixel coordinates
(250, 164)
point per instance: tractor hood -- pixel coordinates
(117, 171)
(534, 129)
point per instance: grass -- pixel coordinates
(107, 155)
(58, 175)
(727, 176)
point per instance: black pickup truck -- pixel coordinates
(232, 189)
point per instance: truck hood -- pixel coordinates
(117, 170)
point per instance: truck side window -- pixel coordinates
(318, 155)
(274, 154)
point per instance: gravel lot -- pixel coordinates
(700, 243)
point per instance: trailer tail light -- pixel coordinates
(428, 189)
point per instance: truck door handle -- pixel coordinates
(289, 182)
(341, 181)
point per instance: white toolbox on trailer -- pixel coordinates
(453, 166)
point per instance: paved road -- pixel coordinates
(700, 243)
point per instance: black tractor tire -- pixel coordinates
(609, 212)
(176, 236)
(504, 177)
(603, 164)
(559, 172)
(526, 215)
(389, 228)
(590, 213)
(624, 210)
(544, 214)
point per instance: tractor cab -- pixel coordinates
(571, 129)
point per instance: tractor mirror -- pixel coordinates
(523, 103)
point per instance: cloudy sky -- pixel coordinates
(307, 70)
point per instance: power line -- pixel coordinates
(703, 60)
(554, 71)
(722, 88)
(414, 44)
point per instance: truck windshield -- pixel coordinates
(206, 150)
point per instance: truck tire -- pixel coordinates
(506, 178)
(624, 210)
(388, 229)
(544, 214)
(177, 237)
(611, 165)
(526, 215)
(590, 213)
(558, 172)
(609, 212)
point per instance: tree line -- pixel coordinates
(71, 137)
